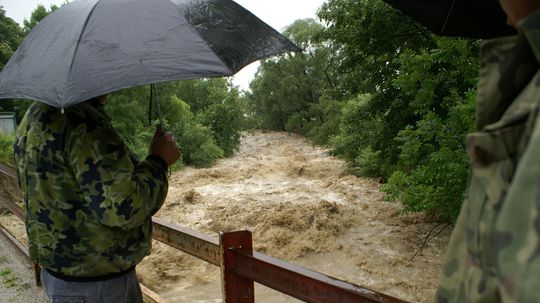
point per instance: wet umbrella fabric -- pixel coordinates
(463, 18)
(92, 47)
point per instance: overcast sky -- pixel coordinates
(277, 13)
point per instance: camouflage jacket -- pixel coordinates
(494, 252)
(88, 200)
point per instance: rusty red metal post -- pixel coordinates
(236, 289)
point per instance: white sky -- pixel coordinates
(277, 13)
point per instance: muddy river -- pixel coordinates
(302, 206)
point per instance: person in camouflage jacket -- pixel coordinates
(494, 251)
(88, 200)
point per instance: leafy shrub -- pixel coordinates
(357, 128)
(296, 123)
(226, 121)
(368, 163)
(203, 138)
(196, 140)
(326, 121)
(198, 145)
(206, 154)
(434, 164)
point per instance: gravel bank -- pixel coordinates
(17, 277)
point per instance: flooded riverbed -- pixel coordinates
(302, 206)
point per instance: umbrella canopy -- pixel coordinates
(464, 18)
(93, 47)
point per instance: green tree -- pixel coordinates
(205, 135)
(137, 130)
(358, 128)
(294, 92)
(217, 104)
(407, 103)
(37, 15)
(225, 120)
(11, 36)
(195, 139)
(432, 166)
(433, 163)
(202, 93)
(370, 36)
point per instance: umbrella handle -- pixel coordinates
(153, 93)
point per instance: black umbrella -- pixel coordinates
(93, 47)
(464, 18)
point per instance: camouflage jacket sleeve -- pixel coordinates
(494, 252)
(120, 190)
(518, 226)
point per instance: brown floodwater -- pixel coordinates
(302, 206)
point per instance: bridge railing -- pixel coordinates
(240, 265)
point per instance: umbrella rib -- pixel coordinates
(79, 40)
(448, 16)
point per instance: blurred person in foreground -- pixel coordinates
(494, 252)
(88, 201)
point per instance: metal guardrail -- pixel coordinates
(241, 266)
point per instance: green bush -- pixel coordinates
(226, 121)
(203, 138)
(357, 128)
(6, 148)
(368, 163)
(196, 140)
(296, 123)
(436, 187)
(433, 163)
(206, 154)
(198, 145)
(325, 121)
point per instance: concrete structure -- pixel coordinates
(8, 124)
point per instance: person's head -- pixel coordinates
(517, 10)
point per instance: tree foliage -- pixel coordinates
(410, 131)
(11, 35)
(204, 136)
(388, 96)
(384, 93)
(293, 92)
(37, 15)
